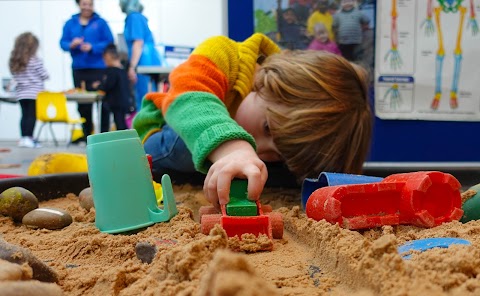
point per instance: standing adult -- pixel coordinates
(141, 47)
(85, 36)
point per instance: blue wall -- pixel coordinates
(393, 140)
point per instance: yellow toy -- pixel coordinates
(157, 187)
(54, 163)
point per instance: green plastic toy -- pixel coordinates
(239, 204)
(471, 208)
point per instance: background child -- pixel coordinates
(322, 42)
(308, 109)
(348, 25)
(292, 34)
(320, 15)
(116, 86)
(29, 73)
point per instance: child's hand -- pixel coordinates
(230, 160)
(95, 84)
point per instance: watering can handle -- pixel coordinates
(169, 204)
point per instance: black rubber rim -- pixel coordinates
(46, 187)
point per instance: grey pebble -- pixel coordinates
(49, 218)
(85, 199)
(145, 252)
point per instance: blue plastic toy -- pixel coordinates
(332, 179)
(429, 243)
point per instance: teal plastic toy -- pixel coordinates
(471, 208)
(121, 182)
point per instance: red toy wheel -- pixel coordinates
(267, 208)
(276, 220)
(206, 210)
(207, 222)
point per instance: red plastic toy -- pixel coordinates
(424, 199)
(266, 222)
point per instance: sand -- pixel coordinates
(313, 258)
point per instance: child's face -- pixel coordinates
(289, 17)
(108, 60)
(252, 116)
(348, 4)
(321, 35)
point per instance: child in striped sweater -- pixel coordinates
(233, 106)
(29, 74)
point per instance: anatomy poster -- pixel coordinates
(428, 60)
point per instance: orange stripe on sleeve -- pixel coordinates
(198, 73)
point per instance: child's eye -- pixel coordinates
(266, 129)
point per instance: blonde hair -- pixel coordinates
(320, 108)
(320, 27)
(26, 45)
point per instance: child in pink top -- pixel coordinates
(321, 40)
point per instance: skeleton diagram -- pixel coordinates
(393, 54)
(448, 6)
(394, 59)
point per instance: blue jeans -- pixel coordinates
(168, 152)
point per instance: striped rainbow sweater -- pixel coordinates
(205, 92)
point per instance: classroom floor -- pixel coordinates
(16, 161)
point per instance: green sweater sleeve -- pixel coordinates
(149, 118)
(203, 122)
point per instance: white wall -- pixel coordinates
(173, 22)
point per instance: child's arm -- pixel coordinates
(108, 81)
(364, 21)
(41, 71)
(196, 105)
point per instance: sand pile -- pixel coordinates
(313, 258)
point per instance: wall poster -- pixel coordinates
(301, 24)
(426, 64)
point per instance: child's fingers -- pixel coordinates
(210, 188)
(223, 188)
(257, 176)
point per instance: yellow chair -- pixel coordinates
(52, 107)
